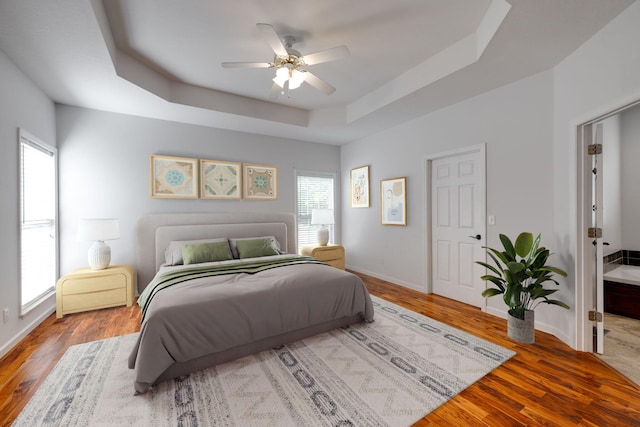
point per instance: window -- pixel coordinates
(38, 221)
(315, 190)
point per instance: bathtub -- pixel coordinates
(622, 291)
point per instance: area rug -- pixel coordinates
(391, 372)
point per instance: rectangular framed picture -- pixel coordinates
(260, 182)
(173, 177)
(360, 187)
(393, 201)
(220, 180)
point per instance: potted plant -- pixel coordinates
(520, 272)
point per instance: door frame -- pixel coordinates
(428, 194)
(585, 299)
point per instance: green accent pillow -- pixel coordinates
(206, 252)
(253, 248)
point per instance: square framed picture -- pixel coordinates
(393, 201)
(173, 177)
(360, 187)
(220, 180)
(260, 182)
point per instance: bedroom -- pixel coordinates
(545, 105)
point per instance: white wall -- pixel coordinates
(104, 172)
(515, 122)
(22, 105)
(612, 182)
(630, 165)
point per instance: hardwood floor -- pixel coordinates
(546, 383)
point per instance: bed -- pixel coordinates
(199, 314)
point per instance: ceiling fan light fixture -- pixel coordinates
(296, 79)
(282, 75)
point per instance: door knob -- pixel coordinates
(477, 237)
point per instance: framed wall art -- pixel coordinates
(220, 180)
(360, 187)
(393, 201)
(260, 182)
(173, 177)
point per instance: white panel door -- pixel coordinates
(457, 227)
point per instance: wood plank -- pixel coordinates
(546, 383)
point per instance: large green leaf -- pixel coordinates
(556, 302)
(490, 267)
(516, 267)
(491, 292)
(524, 242)
(554, 270)
(498, 281)
(496, 255)
(541, 292)
(508, 247)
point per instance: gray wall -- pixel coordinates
(514, 121)
(630, 166)
(22, 105)
(601, 76)
(104, 172)
(530, 131)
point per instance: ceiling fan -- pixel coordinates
(290, 64)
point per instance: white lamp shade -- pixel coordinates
(98, 229)
(322, 217)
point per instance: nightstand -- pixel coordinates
(330, 254)
(85, 289)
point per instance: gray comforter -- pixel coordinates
(194, 319)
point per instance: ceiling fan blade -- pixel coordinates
(275, 92)
(326, 55)
(319, 84)
(247, 65)
(270, 35)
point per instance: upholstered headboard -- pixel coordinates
(154, 232)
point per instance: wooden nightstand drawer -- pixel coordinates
(97, 284)
(83, 302)
(85, 289)
(330, 254)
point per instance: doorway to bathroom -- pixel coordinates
(609, 237)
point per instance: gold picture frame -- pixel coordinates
(393, 201)
(220, 180)
(360, 187)
(173, 177)
(260, 182)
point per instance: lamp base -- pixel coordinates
(99, 255)
(323, 236)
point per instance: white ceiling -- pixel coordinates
(161, 58)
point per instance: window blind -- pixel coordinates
(38, 218)
(315, 190)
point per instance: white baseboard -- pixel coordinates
(30, 327)
(386, 278)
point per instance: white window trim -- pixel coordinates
(37, 143)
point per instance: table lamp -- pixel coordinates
(322, 217)
(98, 230)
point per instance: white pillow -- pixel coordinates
(173, 252)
